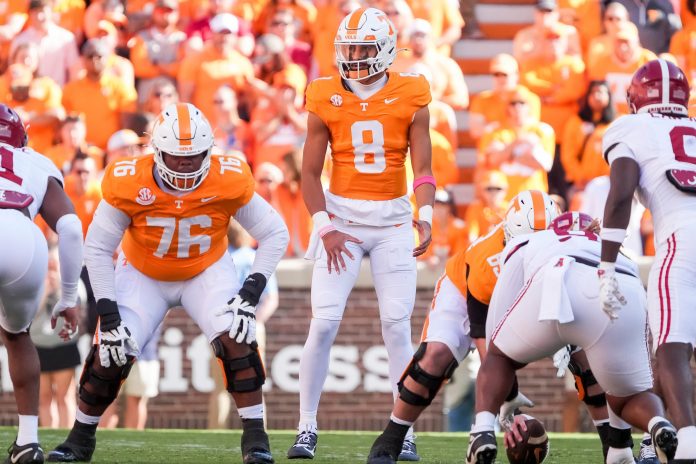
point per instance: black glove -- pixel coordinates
(109, 317)
(252, 288)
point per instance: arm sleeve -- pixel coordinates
(69, 230)
(477, 312)
(103, 237)
(268, 229)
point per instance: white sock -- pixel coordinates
(599, 422)
(314, 367)
(654, 421)
(484, 422)
(307, 425)
(251, 412)
(28, 430)
(620, 456)
(85, 419)
(687, 443)
(400, 421)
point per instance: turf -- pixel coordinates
(203, 446)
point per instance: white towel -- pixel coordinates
(555, 303)
(315, 247)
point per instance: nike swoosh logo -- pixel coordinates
(16, 457)
(389, 101)
(207, 199)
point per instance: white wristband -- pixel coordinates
(425, 213)
(613, 235)
(607, 267)
(322, 223)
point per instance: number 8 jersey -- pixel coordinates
(174, 236)
(369, 138)
(658, 143)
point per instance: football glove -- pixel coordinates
(610, 297)
(114, 337)
(507, 410)
(243, 307)
(561, 359)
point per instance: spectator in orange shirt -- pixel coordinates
(304, 11)
(448, 232)
(615, 17)
(488, 109)
(102, 98)
(116, 65)
(282, 24)
(123, 144)
(272, 63)
(232, 133)
(581, 145)
(288, 196)
(36, 99)
(199, 32)
(162, 92)
(523, 148)
(268, 176)
(82, 187)
(444, 163)
(201, 74)
(447, 80)
(70, 14)
(531, 42)
(110, 10)
(558, 79)
(617, 65)
(445, 19)
(158, 50)
(73, 144)
(488, 209)
(13, 16)
(325, 30)
(58, 57)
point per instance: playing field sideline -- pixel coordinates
(203, 446)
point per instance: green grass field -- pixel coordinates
(203, 446)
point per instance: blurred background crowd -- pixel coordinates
(89, 77)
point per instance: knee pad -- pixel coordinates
(232, 366)
(101, 388)
(583, 380)
(429, 381)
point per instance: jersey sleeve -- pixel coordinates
(113, 189)
(421, 95)
(619, 137)
(312, 95)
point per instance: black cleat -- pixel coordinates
(482, 448)
(258, 456)
(664, 438)
(304, 447)
(255, 446)
(72, 452)
(385, 450)
(408, 451)
(31, 453)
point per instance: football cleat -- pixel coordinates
(258, 456)
(646, 454)
(31, 453)
(409, 451)
(664, 439)
(255, 446)
(304, 447)
(71, 452)
(482, 448)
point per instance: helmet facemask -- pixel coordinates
(182, 181)
(368, 64)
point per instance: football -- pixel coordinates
(534, 447)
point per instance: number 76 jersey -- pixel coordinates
(369, 138)
(658, 143)
(174, 237)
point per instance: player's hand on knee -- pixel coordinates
(610, 297)
(513, 433)
(243, 308)
(115, 339)
(424, 237)
(335, 243)
(70, 316)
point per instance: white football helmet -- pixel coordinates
(365, 44)
(530, 211)
(182, 130)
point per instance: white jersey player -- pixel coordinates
(540, 305)
(653, 150)
(30, 185)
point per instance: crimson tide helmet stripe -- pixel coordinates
(665, 81)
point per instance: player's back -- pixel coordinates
(23, 172)
(660, 143)
(483, 261)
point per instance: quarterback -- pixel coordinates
(170, 212)
(371, 118)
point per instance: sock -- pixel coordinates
(619, 455)
(603, 429)
(654, 421)
(251, 412)
(85, 419)
(484, 422)
(28, 430)
(410, 436)
(314, 367)
(308, 421)
(687, 443)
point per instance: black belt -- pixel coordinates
(591, 263)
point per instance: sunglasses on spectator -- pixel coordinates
(265, 181)
(280, 23)
(218, 102)
(163, 94)
(518, 103)
(494, 189)
(92, 56)
(82, 171)
(613, 18)
(499, 74)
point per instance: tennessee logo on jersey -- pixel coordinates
(369, 138)
(176, 237)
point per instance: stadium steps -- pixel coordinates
(499, 21)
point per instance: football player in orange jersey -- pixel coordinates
(171, 210)
(449, 328)
(371, 118)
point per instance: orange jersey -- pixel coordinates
(176, 237)
(369, 138)
(482, 259)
